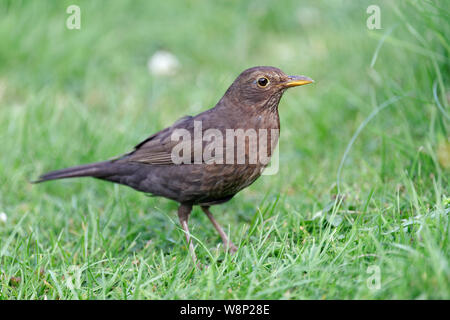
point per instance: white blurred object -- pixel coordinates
(3, 217)
(163, 63)
(308, 16)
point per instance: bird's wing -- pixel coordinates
(157, 149)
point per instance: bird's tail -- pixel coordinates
(96, 170)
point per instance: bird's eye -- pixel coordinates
(262, 82)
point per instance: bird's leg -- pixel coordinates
(226, 242)
(183, 214)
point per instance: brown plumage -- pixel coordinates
(251, 102)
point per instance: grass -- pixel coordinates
(76, 96)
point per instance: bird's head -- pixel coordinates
(262, 87)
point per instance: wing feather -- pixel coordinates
(157, 149)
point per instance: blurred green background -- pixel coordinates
(76, 96)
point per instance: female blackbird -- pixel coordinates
(198, 173)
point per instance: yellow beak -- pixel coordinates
(295, 81)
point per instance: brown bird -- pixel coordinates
(206, 167)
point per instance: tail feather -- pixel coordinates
(97, 170)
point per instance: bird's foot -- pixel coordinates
(230, 247)
(201, 266)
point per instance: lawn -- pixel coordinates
(358, 209)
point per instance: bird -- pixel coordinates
(194, 172)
